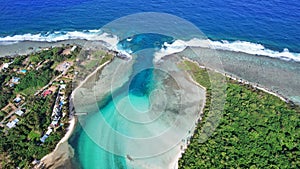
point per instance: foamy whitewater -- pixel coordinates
(236, 46)
(176, 46)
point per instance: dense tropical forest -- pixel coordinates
(257, 130)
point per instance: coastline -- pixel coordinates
(60, 148)
(48, 159)
(63, 144)
(181, 147)
(240, 80)
(27, 47)
(184, 145)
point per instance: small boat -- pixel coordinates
(129, 39)
(129, 158)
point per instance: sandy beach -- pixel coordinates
(63, 150)
(184, 144)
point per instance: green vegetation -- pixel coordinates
(106, 57)
(257, 130)
(88, 61)
(34, 80)
(54, 54)
(200, 75)
(20, 145)
(5, 94)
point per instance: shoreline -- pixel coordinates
(241, 80)
(73, 119)
(182, 145)
(28, 47)
(71, 127)
(89, 76)
(72, 122)
(231, 77)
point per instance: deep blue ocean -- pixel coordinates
(273, 23)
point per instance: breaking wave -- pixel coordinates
(236, 46)
(176, 46)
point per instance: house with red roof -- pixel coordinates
(46, 93)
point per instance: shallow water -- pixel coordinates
(131, 98)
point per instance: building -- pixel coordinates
(17, 100)
(46, 93)
(43, 139)
(73, 48)
(54, 123)
(49, 131)
(15, 79)
(6, 65)
(19, 112)
(12, 123)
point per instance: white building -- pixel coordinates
(12, 123)
(19, 112)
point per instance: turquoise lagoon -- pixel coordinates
(132, 97)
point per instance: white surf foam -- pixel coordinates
(60, 36)
(167, 49)
(176, 46)
(236, 46)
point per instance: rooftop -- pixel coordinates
(12, 123)
(19, 112)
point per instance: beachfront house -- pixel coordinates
(5, 65)
(43, 139)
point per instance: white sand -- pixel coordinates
(62, 152)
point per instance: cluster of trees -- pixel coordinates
(5, 94)
(21, 145)
(54, 54)
(34, 80)
(257, 130)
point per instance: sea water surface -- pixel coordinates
(273, 23)
(137, 89)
